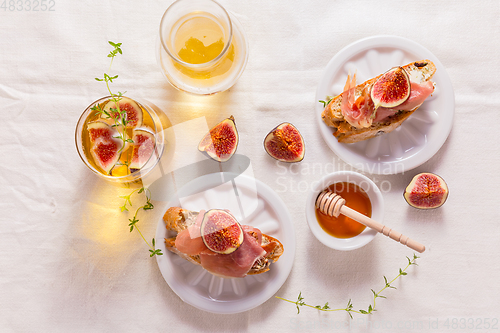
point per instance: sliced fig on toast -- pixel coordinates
(220, 231)
(426, 191)
(221, 141)
(391, 89)
(285, 143)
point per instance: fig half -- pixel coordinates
(391, 89)
(426, 191)
(133, 111)
(143, 148)
(220, 231)
(221, 141)
(105, 146)
(285, 143)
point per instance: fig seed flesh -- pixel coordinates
(105, 147)
(285, 143)
(391, 89)
(134, 115)
(220, 231)
(221, 141)
(143, 148)
(426, 191)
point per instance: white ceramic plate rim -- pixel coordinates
(188, 294)
(376, 199)
(434, 142)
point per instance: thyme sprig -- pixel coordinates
(325, 103)
(112, 54)
(134, 220)
(119, 116)
(350, 308)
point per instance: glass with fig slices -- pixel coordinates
(119, 138)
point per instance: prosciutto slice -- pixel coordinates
(358, 111)
(235, 264)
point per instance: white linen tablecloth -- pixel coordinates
(68, 261)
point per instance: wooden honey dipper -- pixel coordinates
(332, 204)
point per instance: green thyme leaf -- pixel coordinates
(325, 103)
(156, 252)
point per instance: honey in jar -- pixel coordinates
(343, 226)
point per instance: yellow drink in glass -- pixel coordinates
(123, 169)
(201, 48)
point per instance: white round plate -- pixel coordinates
(263, 209)
(419, 137)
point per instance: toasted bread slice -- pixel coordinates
(418, 71)
(178, 219)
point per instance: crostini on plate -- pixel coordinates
(364, 111)
(217, 242)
